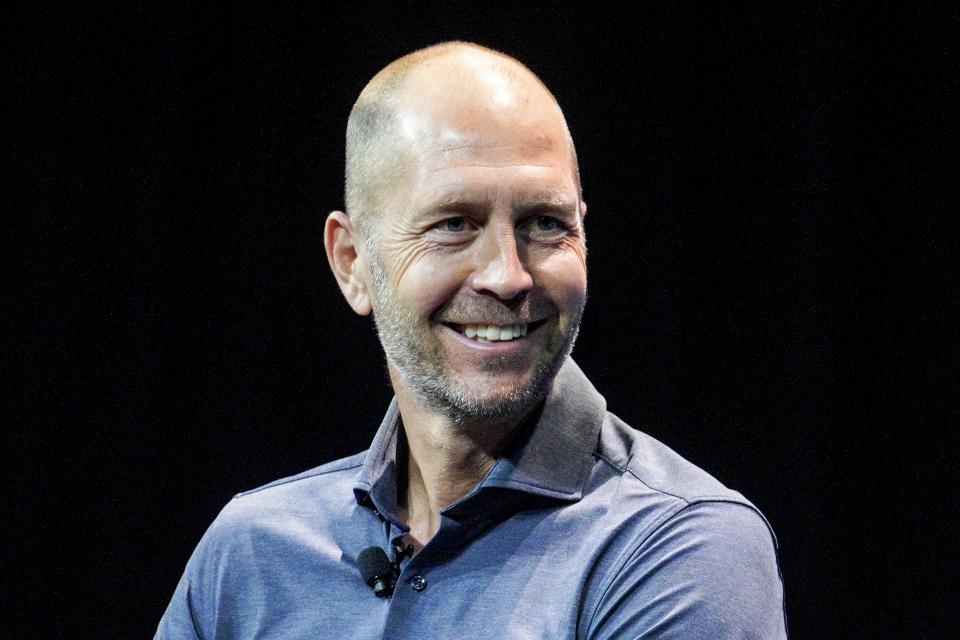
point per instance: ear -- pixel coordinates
(341, 241)
(583, 209)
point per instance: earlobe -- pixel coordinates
(344, 248)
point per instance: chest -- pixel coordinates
(517, 578)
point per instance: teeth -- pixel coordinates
(494, 333)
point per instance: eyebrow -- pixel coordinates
(551, 205)
(551, 202)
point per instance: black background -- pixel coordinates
(772, 281)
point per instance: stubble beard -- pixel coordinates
(418, 359)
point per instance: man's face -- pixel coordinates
(482, 237)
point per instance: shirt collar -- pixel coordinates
(552, 459)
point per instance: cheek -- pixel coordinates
(563, 276)
(427, 284)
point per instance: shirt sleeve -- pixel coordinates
(178, 622)
(710, 571)
(188, 616)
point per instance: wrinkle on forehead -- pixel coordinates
(450, 197)
(480, 146)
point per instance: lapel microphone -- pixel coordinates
(377, 571)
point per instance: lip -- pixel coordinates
(507, 346)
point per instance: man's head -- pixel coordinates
(463, 211)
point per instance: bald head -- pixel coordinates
(451, 91)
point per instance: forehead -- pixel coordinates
(489, 159)
(487, 173)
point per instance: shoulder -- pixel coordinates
(702, 548)
(710, 570)
(275, 516)
(657, 466)
(331, 472)
(322, 491)
(678, 491)
(263, 527)
(727, 536)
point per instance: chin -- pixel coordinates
(493, 395)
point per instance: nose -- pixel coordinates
(501, 269)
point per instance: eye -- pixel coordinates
(546, 229)
(456, 230)
(454, 225)
(547, 223)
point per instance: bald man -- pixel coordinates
(499, 498)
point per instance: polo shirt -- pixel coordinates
(584, 528)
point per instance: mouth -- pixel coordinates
(494, 332)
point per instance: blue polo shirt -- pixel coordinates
(585, 528)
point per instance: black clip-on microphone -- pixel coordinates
(377, 571)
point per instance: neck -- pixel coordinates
(446, 459)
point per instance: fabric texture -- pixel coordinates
(585, 528)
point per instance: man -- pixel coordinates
(513, 505)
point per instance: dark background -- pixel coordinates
(772, 281)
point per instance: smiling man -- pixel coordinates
(499, 498)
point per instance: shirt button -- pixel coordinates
(418, 582)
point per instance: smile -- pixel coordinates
(494, 332)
